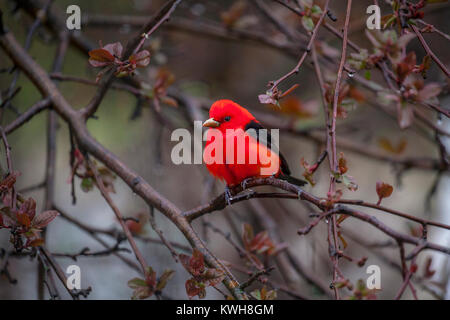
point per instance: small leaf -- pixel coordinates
(44, 218)
(100, 58)
(194, 288)
(169, 101)
(141, 59)
(36, 242)
(28, 207)
(264, 294)
(384, 190)
(316, 10)
(87, 184)
(141, 293)
(349, 182)
(213, 276)
(197, 263)
(115, 49)
(23, 219)
(136, 283)
(8, 182)
(184, 259)
(165, 277)
(342, 164)
(428, 92)
(307, 23)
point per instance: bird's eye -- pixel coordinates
(227, 118)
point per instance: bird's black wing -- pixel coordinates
(257, 127)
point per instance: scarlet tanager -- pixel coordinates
(241, 136)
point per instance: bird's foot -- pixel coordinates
(244, 183)
(228, 196)
(299, 193)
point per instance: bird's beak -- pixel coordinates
(211, 123)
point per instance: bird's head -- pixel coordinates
(226, 114)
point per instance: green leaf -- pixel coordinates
(307, 23)
(367, 75)
(136, 283)
(87, 184)
(316, 10)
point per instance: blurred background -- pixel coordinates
(208, 68)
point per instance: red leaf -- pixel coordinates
(28, 207)
(44, 218)
(384, 190)
(36, 242)
(23, 219)
(197, 263)
(342, 164)
(141, 59)
(8, 182)
(184, 259)
(406, 66)
(100, 57)
(193, 288)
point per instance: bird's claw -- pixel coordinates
(244, 183)
(228, 196)
(299, 193)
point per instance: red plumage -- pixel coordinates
(225, 115)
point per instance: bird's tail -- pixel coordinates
(293, 180)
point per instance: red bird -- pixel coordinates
(241, 138)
